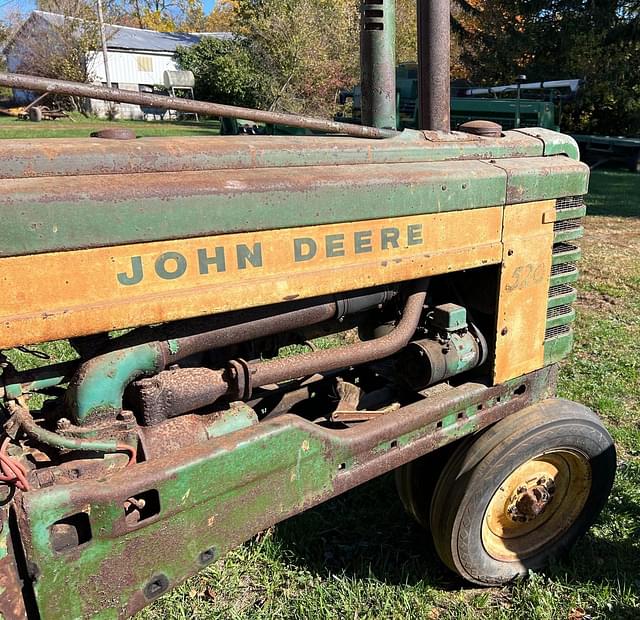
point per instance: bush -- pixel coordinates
(225, 72)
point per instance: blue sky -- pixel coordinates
(24, 6)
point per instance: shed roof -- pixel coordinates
(138, 39)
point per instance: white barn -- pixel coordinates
(137, 58)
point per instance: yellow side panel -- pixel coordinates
(524, 288)
(64, 294)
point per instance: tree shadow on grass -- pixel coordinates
(614, 192)
(365, 533)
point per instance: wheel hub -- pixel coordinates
(536, 504)
(530, 501)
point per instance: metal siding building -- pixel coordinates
(137, 58)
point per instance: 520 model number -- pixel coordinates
(526, 276)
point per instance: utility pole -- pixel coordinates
(103, 38)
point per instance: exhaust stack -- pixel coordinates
(434, 70)
(378, 63)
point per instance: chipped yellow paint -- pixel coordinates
(524, 288)
(64, 294)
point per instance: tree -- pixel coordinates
(308, 48)
(554, 39)
(223, 16)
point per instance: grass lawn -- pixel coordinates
(81, 127)
(360, 557)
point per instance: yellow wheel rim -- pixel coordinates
(536, 504)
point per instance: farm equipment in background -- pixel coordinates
(35, 112)
(180, 269)
(542, 106)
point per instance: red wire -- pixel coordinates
(133, 455)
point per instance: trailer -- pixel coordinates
(598, 150)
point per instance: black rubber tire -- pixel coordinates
(477, 469)
(416, 481)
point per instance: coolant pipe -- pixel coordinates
(283, 369)
(97, 389)
(187, 389)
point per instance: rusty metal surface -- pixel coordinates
(524, 286)
(488, 129)
(227, 486)
(62, 87)
(64, 213)
(174, 435)
(378, 63)
(12, 605)
(434, 73)
(543, 178)
(86, 156)
(114, 133)
(173, 392)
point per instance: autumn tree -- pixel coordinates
(556, 39)
(222, 17)
(308, 48)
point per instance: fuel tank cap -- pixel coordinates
(487, 129)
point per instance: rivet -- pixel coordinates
(504, 331)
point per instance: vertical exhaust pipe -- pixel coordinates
(378, 63)
(434, 70)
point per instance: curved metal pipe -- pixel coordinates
(178, 391)
(96, 390)
(283, 369)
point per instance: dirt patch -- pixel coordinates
(610, 261)
(596, 301)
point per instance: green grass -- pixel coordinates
(360, 557)
(81, 127)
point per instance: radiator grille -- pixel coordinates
(563, 268)
(570, 202)
(555, 332)
(559, 248)
(558, 311)
(567, 227)
(560, 289)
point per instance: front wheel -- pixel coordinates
(522, 492)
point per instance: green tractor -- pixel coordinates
(180, 269)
